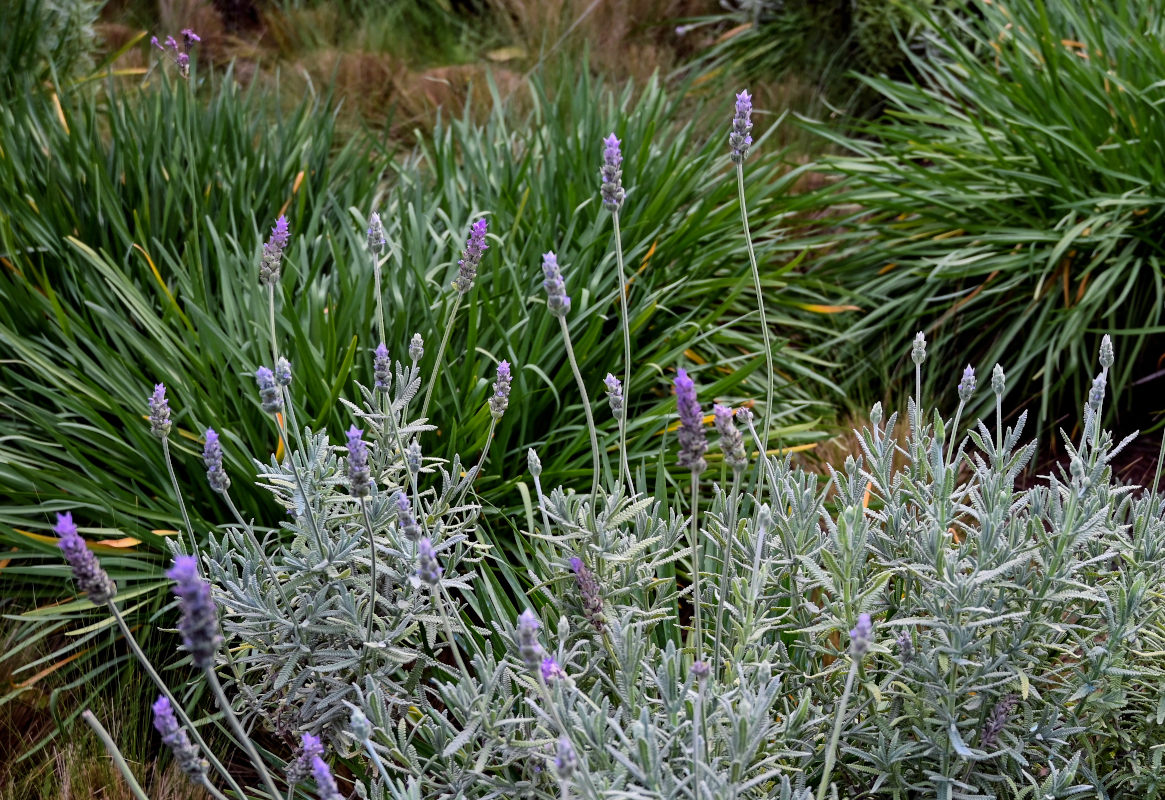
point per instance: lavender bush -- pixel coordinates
(914, 625)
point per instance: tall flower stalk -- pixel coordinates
(611, 191)
(693, 445)
(558, 302)
(740, 140)
(160, 426)
(861, 637)
(467, 266)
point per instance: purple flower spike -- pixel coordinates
(310, 749)
(967, 384)
(611, 174)
(551, 671)
(501, 396)
(731, 442)
(190, 37)
(189, 759)
(614, 394)
(740, 139)
(271, 264)
(199, 621)
(592, 596)
(359, 477)
(556, 298)
(88, 575)
(159, 412)
(283, 372)
(216, 476)
(428, 570)
(405, 518)
(270, 398)
(693, 443)
(381, 368)
(566, 762)
(475, 248)
(529, 648)
(376, 240)
(862, 636)
(325, 783)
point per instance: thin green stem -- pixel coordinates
(1160, 457)
(472, 476)
(374, 591)
(311, 519)
(582, 389)
(694, 536)
(440, 606)
(237, 727)
(831, 751)
(213, 792)
(953, 433)
(376, 760)
(181, 502)
(390, 414)
(624, 290)
(114, 753)
(136, 649)
(271, 322)
(379, 301)
(697, 754)
(726, 568)
(440, 355)
(760, 302)
(998, 423)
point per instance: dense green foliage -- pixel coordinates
(1009, 198)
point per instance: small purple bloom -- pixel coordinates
(376, 240)
(381, 368)
(592, 596)
(325, 783)
(310, 749)
(88, 575)
(614, 394)
(693, 443)
(159, 412)
(701, 671)
(359, 476)
(283, 372)
(1096, 393)
(740, 139)
(270, 398)
(501, 396)
(189, 759)
(529, 648)
(428, 570)
(566, 762)
(862, 636)
(216, 476)
(551, 671)
(556, 298)
(199, 617)
(405, 518)
(190, 37)
(731, 442)
(997, 721)
(611, 174)
(967, 384)
(475, 248)
(271, 263)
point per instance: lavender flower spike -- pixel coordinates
(416, 348)
(310, 749)
(740, 139)
(325, 783)
(283, 372)
(405, 518)
(359, 477)
(159, 412)
(693, 443)
(216, 476)
(382, 368)
(551, 671)
(501, 397)
(88, 575)
(189, 759)
(475, 248)
(199, 621)
(731, 441)
(566, 762)
(529, 648)
(611, 174)
(271, 263)
(428, 570)
(376, 240)
(592, 597)
(1106, 354)
(556, 298)
(997, 721)
(614, 394)
(862, 636)
(270, 398)
(967, 384)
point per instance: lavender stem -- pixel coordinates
(587, 409)
(114, 753)
(440, 354)
(624, 290)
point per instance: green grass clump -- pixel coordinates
(1009, 198)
